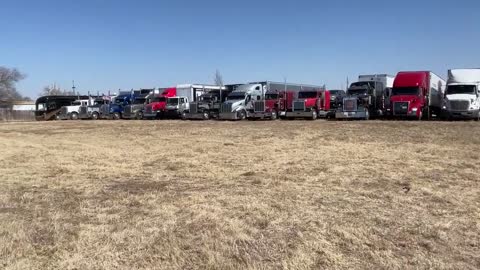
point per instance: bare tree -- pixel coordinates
(9, 77)
(218, 80)
(54, 90)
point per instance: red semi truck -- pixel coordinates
(157, 103)
(312, 103)
(417, 94)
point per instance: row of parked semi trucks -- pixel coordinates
(411, 94)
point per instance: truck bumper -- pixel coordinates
(228, 116)
(129, 116)
(351, 115)
(299, 114)
(196, 116)
(259, 115)
(155, 114)
(463, 114)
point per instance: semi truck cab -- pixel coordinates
(156, 105)
(269, 107)
(462, 97)
(310, 104)
(71, 112)
(177, 107)
(239, 101)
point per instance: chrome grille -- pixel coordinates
(400, 108)
(83, 110)
(459, 105)
(350, 104)
(193, 107)
(128, 109)
(259, 106)
(148, 109)
(299, 105)
(226, 108)
(105, 109)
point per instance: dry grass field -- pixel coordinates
(249, 195)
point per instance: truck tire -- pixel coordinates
(183, 115)
(477, 118)
(74, 116)
(95, 116)
(241, 115)
(367, 115)
(139, 115)
(314, 115)
(206, 115)
(116, 116)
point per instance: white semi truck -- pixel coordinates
(179, 105)
(240, 100)
(72, 112)
(462, 98)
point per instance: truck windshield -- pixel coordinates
(336, 92)
(119, 99)
(172, 101)
(357, 92)
(272, 96)
(461, 89)
(236, 96)
(41, 106)
(405, 91)
(158, 99)
(139, 101)
(307, 95)
(76, 103)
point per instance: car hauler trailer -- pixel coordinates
(417, 94)
(208, 104)
(310, 103)
(157, 102)
(48, 107)
(179, 105)
(366, 98)
(462, 97)
(135, 109)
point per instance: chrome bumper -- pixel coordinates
(228, 116)
(351, 115)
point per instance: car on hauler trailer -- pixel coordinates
(417, 94)
(462, 97)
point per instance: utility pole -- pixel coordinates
(73, 87)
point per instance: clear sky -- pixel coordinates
(107, 45)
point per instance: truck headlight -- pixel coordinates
(414, 109)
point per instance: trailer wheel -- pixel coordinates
(95, 116)
(206, 115)
(116, 116)
(274, 115)
(74, 116)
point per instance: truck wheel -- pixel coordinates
(206, 115)
(367, 115)
(184, 115)
(139, 116)
(74, 116)
(116, 116)
(478, 117)
(274, 115)
(241, 115)
(314, 115)
(420, 116)
(95, 116)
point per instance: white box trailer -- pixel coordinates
(386, 79)
(462, 98)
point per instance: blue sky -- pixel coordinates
(107, 45)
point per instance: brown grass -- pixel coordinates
(250, 195)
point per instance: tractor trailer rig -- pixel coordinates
(93, 111)
(417, 94)
(462, 97)
(208, 104)
(157, 102)
(179, 105)
(135, 109)
(309, 103)
(238, 102)
(366, 98)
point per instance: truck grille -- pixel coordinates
(349, 105)
(459, 105)
(128, 109)
(400, 108)
(226, 108)
(64, 110)
(148, 109)
(259, 106)
(105, 109)
(193, 107)
(83, 110)
(299, 105)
